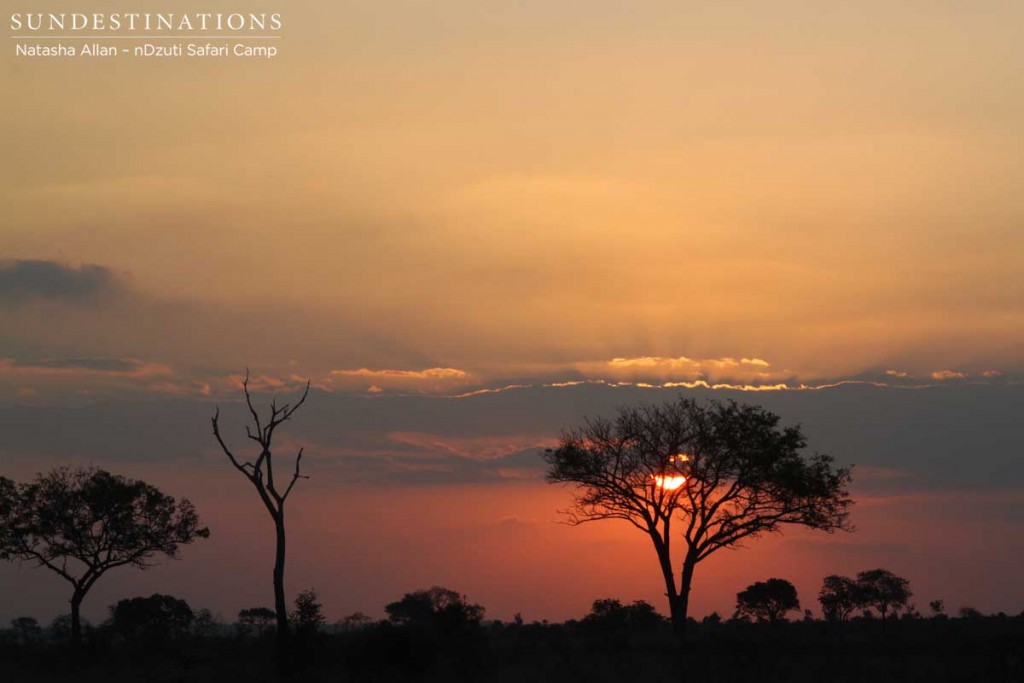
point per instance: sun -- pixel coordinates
(669, 483)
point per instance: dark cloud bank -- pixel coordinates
(23, 281)
(953, 438)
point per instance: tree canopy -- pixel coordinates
(883, 590)
(436, 607)
(767, 600)
(81, 523)
(716, 473)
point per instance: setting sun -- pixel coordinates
(669, 483)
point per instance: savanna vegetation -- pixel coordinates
(706, 476)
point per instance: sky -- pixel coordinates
(472, 225)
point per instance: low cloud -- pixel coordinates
(379, 381)
(26, 281)
(948, 374)
(123, 367)
(661, 369)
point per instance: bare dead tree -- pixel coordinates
(260, 474)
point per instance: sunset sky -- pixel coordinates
(470, 224)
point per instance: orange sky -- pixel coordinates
(495, 187)
(518, 210)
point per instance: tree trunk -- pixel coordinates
(76, 617)
(280, 604)
(680, 613)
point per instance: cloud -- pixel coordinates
(662, 369)
(897, 373)
(123, 367)
(429, 373)
(948, 374)
(24, 281)
(472, 447)
(378, 381)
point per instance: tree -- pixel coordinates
(60, 627)
(437, 608)
(354, 622)
(259, 617)
(767, 600)
(26, 629)
(611, 614)
(839, 597)
(260, 474)
(938, 608)
(883, 590)
(153, 620)
(308, 616)
(725, 472)
(81, 523)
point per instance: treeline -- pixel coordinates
(438, 634)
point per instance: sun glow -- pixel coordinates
(669, 483)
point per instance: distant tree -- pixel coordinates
(155, 619)
(883, 590)
(436, 607)
(256, 617)
(26, 629)
(260, 473)
(60, 627)
(205, 624)
(713, 619)
(808, 615)
(839, 597)
(725, 472)
(308, 615)
(970, 613)
(80, 523)
(767, 600)
(910, 612)
(938, 608)
(609, 613)
(354, 622)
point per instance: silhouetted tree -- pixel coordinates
(354, 622)
(308, 615)
(259, 617)
(204, 624)
(938, 608)
(60, 627)
(725, 471)
(609, 613)
(839, 597)
(153, 620)
(883, 590)
(970, 613)
(713, 619)
(80, 523)
(260, 474)
(26, 629)
(435, 607)
(767, 600)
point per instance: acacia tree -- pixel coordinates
(437, 607)
(839, 597)
(883, 590)
(258, 617)
(767, 600)
(723, 471)
(81, 523)
(260, 473)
